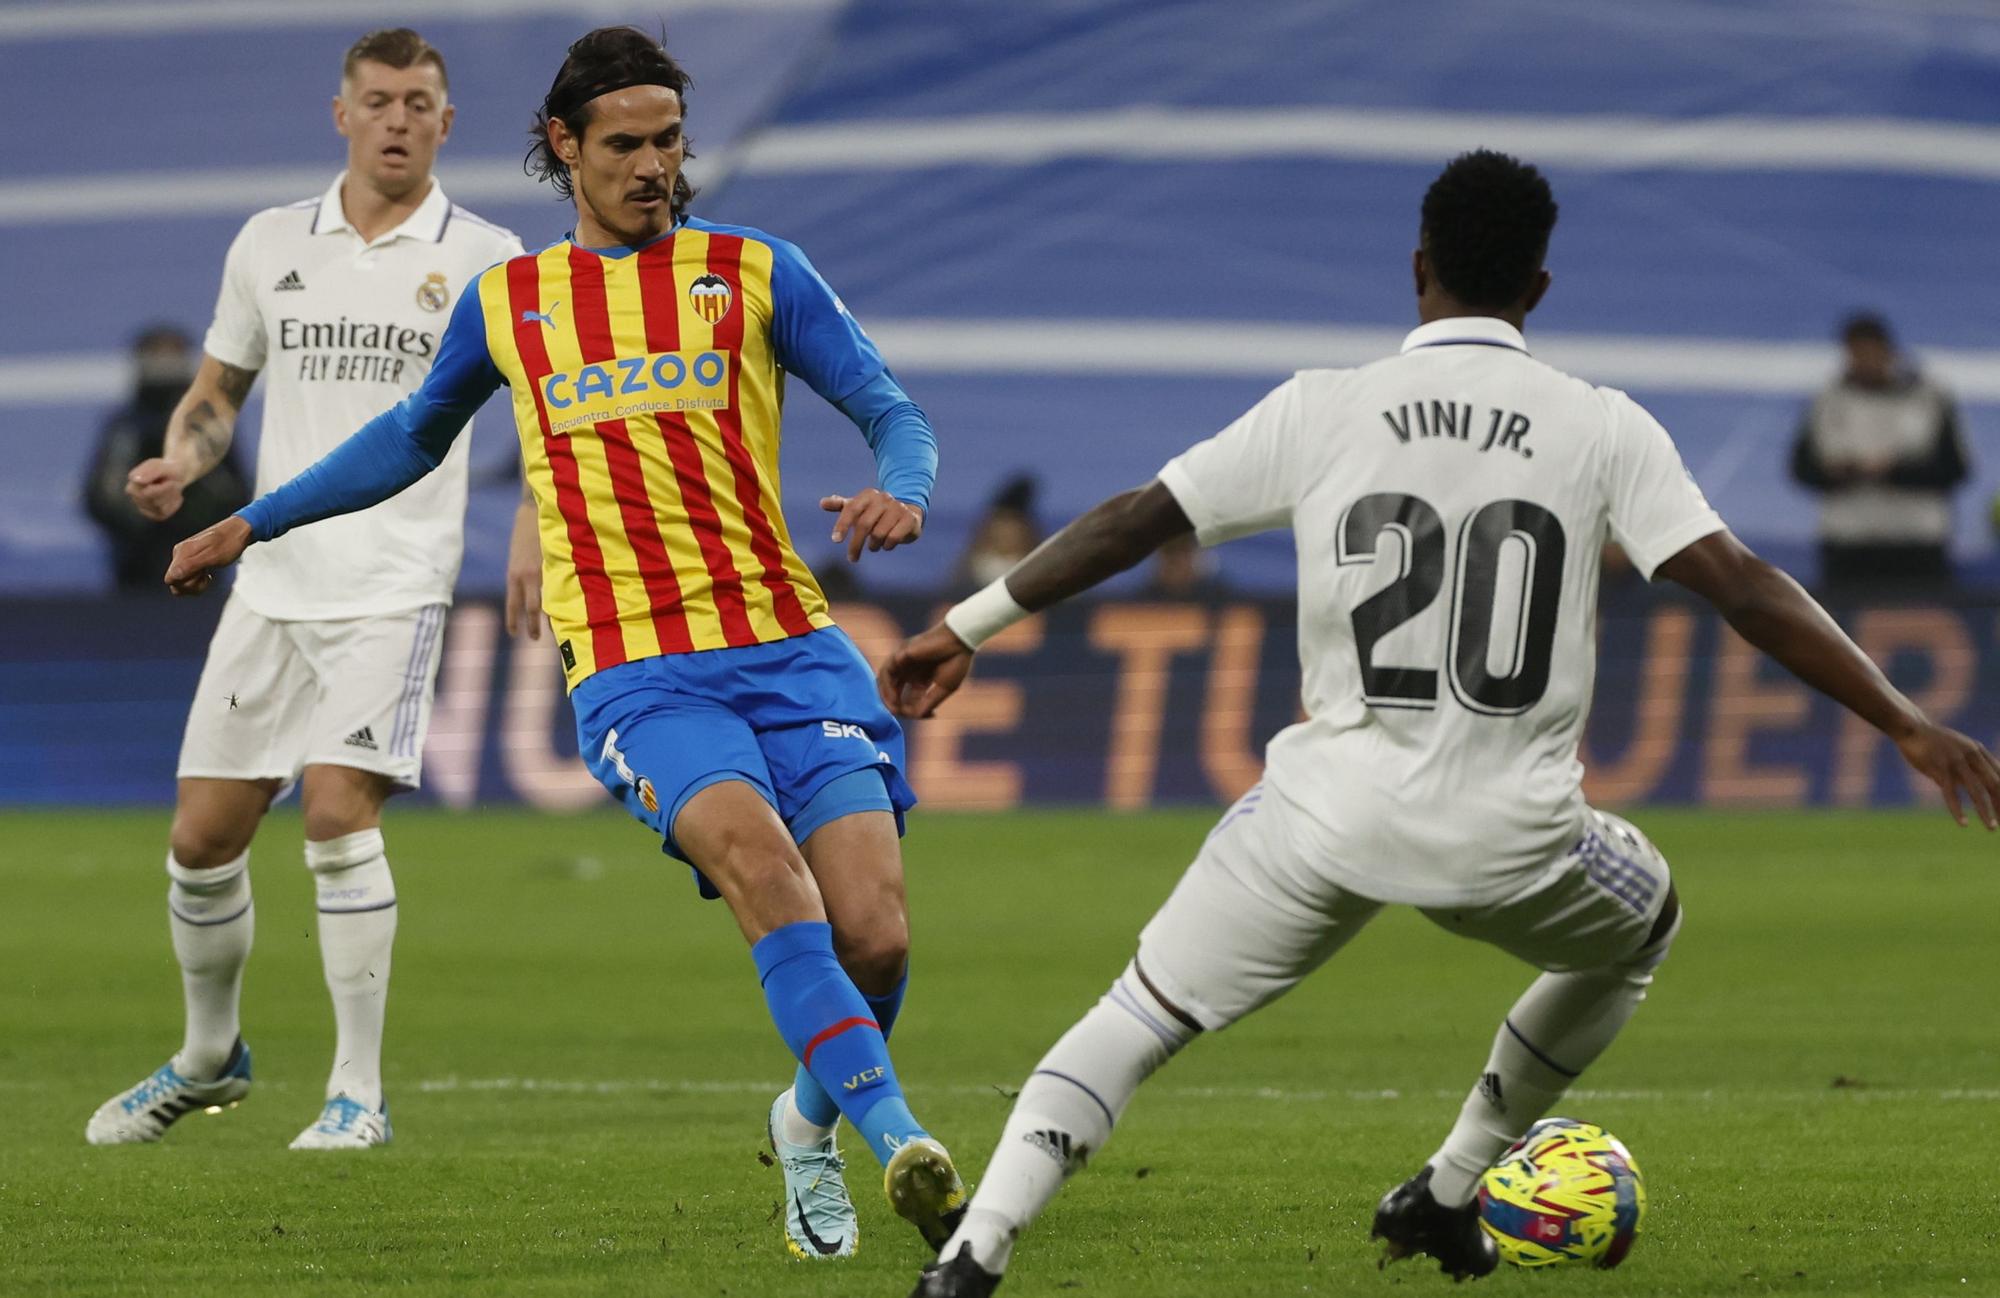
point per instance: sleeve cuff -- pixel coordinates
(230, 354)
(1658, 551)
(1177, 482)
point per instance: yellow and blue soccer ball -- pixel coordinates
(1565, 1192)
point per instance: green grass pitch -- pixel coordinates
(579, 1065)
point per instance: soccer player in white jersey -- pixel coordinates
(1449, 504)
(321, 670)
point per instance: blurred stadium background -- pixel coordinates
(1085, 234)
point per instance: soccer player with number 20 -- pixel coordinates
(1450, 504)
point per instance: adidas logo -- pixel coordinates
(291, 283)
(362, 738)
(1056, 1144)
(1489, 1086)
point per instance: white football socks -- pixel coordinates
(1065, 1114)
(1558, 1028)
(795, 1128)
(357, 928)
(213, 921)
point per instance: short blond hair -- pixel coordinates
(394, 47)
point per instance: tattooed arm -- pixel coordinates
(198, 436)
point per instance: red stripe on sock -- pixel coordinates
(832, 1032)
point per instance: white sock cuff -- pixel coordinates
(213, 880)
(345, 852)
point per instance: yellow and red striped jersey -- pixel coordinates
(647, 387)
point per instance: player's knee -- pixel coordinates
(338, 801)
(325, 824)
(877, 955)
(757, 864)
(339, 812)
(205, 843)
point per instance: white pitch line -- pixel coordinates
(1230, 1094)
(560, 1086)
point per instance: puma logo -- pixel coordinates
(546, 317)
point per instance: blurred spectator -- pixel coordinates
(838, 578)
(1183, 570)
(1003, 535)
(164, 361)
(1881, 446)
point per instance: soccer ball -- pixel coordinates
(1565, 1192)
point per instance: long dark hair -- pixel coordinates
(608, 59)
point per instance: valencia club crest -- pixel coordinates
(711, 297)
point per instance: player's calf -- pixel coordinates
(1065, 1114)
(1557, 1029)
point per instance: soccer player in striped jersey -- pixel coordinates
(646, 355)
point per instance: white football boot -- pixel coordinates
(819, 1217)
(923, 1187)
(346, 1124)
(143, 1113)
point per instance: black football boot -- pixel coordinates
(959, 1278)
(1413, 1222)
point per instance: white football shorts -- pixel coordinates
(1254, 915)
(277, 697)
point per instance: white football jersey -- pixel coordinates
(1449, 505)
(343, 329)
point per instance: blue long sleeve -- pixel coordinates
(899, 433)
(396, 447)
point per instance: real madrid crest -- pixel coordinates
(711, 298)
(432, 294)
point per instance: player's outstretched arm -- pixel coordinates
(1774, 613)
(198, 436)
(390, 452)
(1107, 540)
(898, 432)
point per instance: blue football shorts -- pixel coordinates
(798, 720)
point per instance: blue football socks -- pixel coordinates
(829, 1027)
(814, 1104)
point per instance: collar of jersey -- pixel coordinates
(623, 250)
(1466, 331)
(426, 223)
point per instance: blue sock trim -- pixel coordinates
(211, 923)
(356, 910)
(790, 942)
(1108, 1115)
